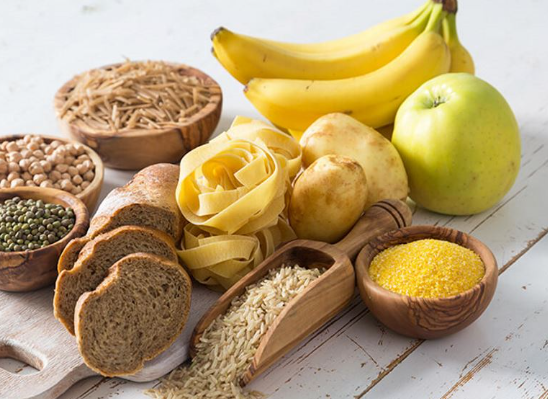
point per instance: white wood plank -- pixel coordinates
(65, 39)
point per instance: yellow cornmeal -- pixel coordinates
(427, 269)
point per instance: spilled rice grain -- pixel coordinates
(228, 345)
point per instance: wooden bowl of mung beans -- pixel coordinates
(36, 224)
(424, 302)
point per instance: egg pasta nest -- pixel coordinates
(232, 191)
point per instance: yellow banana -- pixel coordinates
(247, 57)
(357, 38)
(372, 98)
(461, 60)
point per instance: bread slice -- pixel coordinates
(134, 314)
(147, 200)
(95, 259)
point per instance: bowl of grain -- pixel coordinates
(30, 160)
(426, 281)
(36, 224)
(136, 114)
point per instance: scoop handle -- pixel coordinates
(382, 217)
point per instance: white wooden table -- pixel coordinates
(505, 353)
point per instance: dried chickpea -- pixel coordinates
(66, 185)
(12, 146)
(77, 179)
(72, 171)
(48, 150)
(30, 183)
(89, 175)
(13, 167)
(12, 176)
(46, 183)
(35, 168)
(55, 159)
(39, 178)
(60, 151)
(55, 175)
(57, 185)
(14, 157)
(84, 185)
(38, 154)
(46, 166)
(4, 184)
(79, 149)
(36, 139)
(26, 153)
(84, 157)
(3, 166)
(82, 168)
(62, 167)
(26, 176)
(55, 143)
(17, 183)
(65, 176)
(69, 160)
(76, 190)
(33, 146)
(24, 164)
(32, 158)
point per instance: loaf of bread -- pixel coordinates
(147, 200)
(97, 256)
(133, 315)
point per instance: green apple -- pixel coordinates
(460, 144)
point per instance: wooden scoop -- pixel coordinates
(323, 298)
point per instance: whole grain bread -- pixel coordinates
(147, 200)
(97, 256)
(133, 315)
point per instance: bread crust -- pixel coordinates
(110, 281)
(152, 186)
(85, 255)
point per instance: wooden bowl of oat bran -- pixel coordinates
(137, 114)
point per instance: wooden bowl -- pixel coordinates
(30, 270)
(139, 148)
(90, 196)
(426, 317)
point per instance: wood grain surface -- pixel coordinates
(352, 356)
(30, 270)
(323, 298)
(426, 317)
(139, 148)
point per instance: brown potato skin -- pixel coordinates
(328, 198)
(340, 134)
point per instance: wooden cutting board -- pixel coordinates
(30, 333)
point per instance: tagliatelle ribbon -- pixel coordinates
(232, 192)
(221, 260)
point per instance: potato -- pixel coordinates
(328, 198)
(341, 134)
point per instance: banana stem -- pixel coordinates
(438, 14)
(450, 29)
(450, 6)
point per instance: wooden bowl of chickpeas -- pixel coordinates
(51, 162)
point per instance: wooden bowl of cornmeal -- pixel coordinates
(423, 315)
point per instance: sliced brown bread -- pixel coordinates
(133, 315)
(97, 256)
(147, 200)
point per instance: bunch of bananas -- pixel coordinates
(366, 75)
